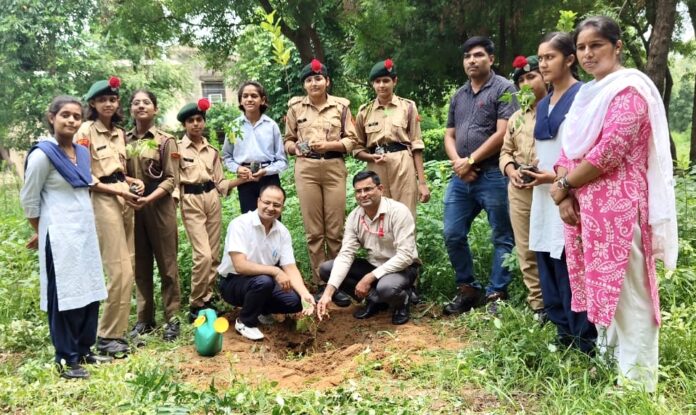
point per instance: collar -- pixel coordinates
(394, 102)
(330, 101)
(256, 222)
(264, 118)
(151, 132)
(487, 84)
(101, 128)
(381, 210)
(188, 143)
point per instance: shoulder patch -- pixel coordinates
(343, 101)
(295, 100)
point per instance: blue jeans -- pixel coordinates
(463, 202)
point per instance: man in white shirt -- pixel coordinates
(386, 230)
(258, 271)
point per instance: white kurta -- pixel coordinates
(65, 213)
(545, 223)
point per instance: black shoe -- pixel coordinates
(370, 310)
(95, 359)
(401, 314)
(116, 348)
(73, 371)
(193, 314)
(171, 330)
(141, 328)
(493, 299)
(467, 298)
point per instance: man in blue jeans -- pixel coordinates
(476, 124)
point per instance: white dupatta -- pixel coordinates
(582, 127)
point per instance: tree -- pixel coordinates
(691, 4)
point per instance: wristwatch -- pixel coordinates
(470, 160)
(562, 183)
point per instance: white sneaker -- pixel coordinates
(251, 333)
(266, 319)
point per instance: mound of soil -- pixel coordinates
(299, 360)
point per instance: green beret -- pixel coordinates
(383, 68)
(103, 87)
(524, 65)
(313, 68)
(193, 108)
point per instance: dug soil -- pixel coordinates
(343, 346)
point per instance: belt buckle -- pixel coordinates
(379, 150)
(304, 148)
(254, 166)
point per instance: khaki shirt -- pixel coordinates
(155, 165)
(391, 252)
(396, 122)
(107, 147)
(518, 143)
(202, 165)
(332, 122)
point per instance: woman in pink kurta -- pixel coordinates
(615, 194)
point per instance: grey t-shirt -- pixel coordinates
(474, 116)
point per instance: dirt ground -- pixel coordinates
(299, 360)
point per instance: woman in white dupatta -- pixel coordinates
(615, 192)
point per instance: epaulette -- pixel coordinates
(343, 101)
(295, 100)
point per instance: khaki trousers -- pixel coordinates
(202, 217)
(321, 189)
(520, 206)
(156, 235)
(114, 220)
(398, 175)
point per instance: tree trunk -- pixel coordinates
(660, 42)
(692, 151)
(305, 38)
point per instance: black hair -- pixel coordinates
(59, 102)
(259, 88)
(272, 186)
(564, 43)
(367, 174)
(604, 25)
(482, 41)
(92, 114)
(147, 92)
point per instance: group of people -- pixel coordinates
(580, 181)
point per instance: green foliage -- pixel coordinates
(434, 141)
(566, 21)
(222, 122)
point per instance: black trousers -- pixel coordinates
(249, 192)
(257, 295)
(573, 328)
(393, 289)
(73, 332)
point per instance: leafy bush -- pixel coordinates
(434, 141)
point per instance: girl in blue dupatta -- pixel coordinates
(56, 201)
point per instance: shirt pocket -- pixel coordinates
(373, 127)
(103, 152)
(334, 127)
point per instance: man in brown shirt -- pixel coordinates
(385, 228)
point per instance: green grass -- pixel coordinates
(510, 364)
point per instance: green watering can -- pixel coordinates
(209, 329)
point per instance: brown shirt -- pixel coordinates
(107, 147)
(518, 143)
(331, 122)
(391, 250)
(201, 165)
(158, 166)
(396, 122)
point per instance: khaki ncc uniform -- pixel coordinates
(156, 231)
(321, 178)
(201, 184)
(114, 220)
(394, 129)
(518, 148)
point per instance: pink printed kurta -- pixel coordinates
(597, 250)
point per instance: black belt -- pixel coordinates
(151, 187)
(113, 178)
(326, 156)
(261, 164)
(198, 188)
(390, 148)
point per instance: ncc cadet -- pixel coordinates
(319, 130)
(389, 139)
(113, 204)
(201, 184)
(156, 233)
